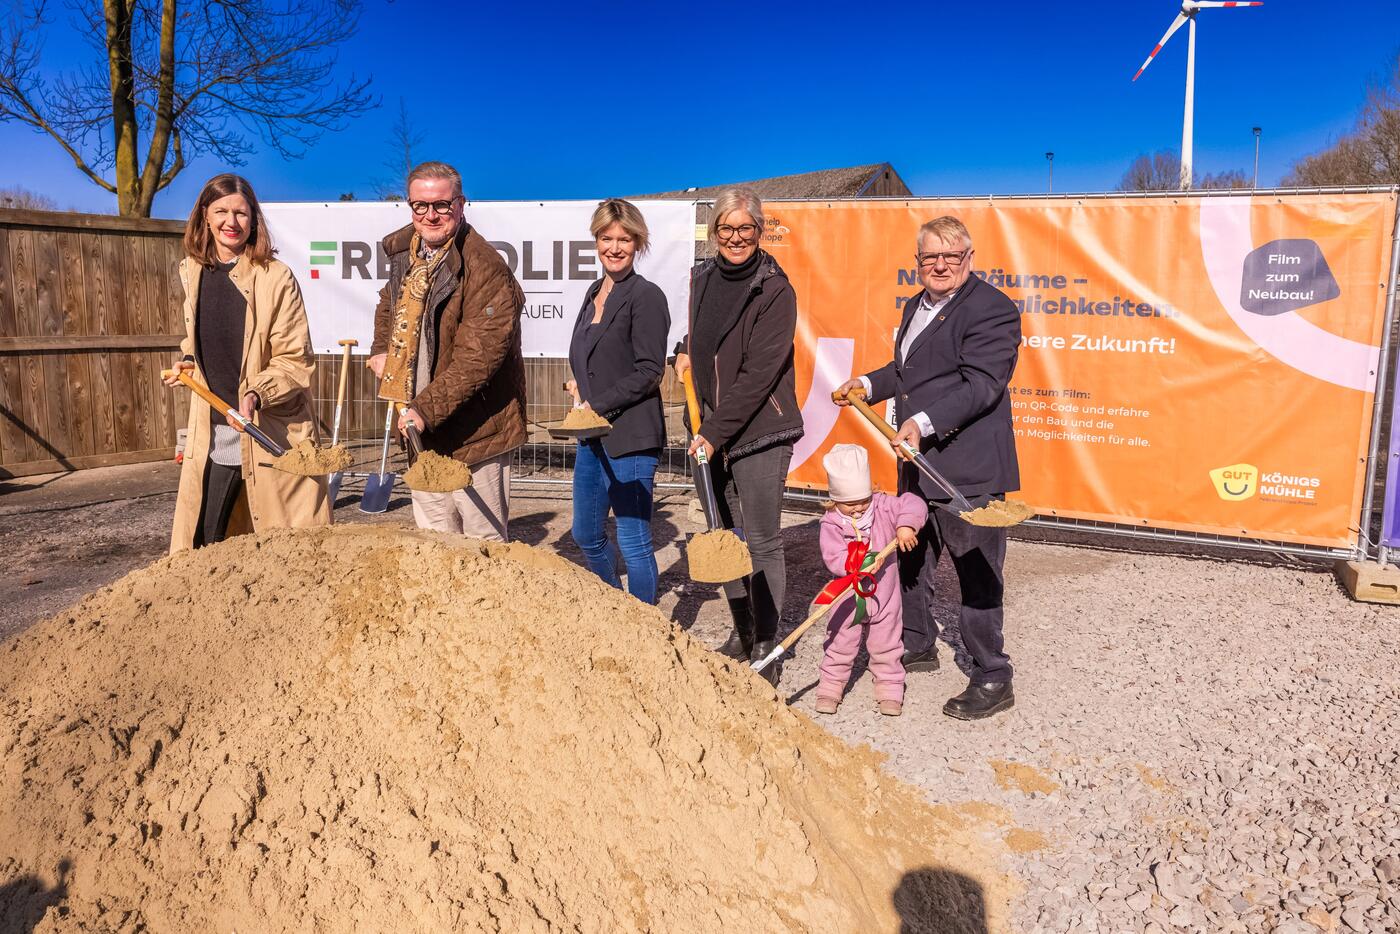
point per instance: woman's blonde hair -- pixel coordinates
(617, 211)
(736, 199)
(199, 242)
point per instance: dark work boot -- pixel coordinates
(739, 645)
(761, 650)
(981, 700)
(927, 660)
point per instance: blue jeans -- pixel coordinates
(623, 485)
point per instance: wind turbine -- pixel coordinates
(1189, 8)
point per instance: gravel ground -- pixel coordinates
(1197, 745)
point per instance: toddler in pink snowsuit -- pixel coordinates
(857, 514)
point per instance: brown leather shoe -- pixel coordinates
(981, 700)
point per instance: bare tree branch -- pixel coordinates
(173, 80)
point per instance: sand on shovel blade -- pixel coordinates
(433, 473)
(341, 729)
(998, 514)
(305, 459)
(717, 557)
(584, 418)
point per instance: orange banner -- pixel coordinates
(1194, 363)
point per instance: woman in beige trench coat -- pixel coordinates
(246, 337)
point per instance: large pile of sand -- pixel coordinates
(365, 729)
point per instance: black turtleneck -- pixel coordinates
(723, 293)
(218, 332)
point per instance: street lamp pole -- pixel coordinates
(1257, 132)
(1050, 159)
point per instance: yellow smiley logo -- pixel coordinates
(1236, 482)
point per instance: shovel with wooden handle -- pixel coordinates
(959, 503)
(710, 571)
(243, 424)
(821, 611)
(334, 483)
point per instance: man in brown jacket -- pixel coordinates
(466, 380)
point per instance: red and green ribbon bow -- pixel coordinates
(858, 560)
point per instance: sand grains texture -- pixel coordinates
(433, 473)
(584, 418)
(305, 459)
(999, 514)
(361, 728)
(717, 556)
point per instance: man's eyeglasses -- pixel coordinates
(952, 260)
(439, 207)
(745, 231)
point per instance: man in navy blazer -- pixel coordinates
(955, 352)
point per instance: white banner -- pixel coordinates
(335, 252)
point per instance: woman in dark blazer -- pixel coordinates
(617, 355)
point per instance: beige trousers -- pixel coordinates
(481, 510)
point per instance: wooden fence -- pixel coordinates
(89, 314)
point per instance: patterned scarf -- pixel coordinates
(396, 385)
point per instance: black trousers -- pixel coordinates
(978, 554)
(222, 485)
(749, 494)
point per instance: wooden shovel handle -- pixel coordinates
(856, 397)
(344, 371)
(202, 391)
(692, 401)
(825, 608)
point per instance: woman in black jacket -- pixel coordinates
(617, 355)
(743, 318)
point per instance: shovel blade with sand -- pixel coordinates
(717, 555)
(581, 424)
(429, 471)
(995, 514)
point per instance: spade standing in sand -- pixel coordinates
(237, 298)
(447, 342)
(955, 352)
(617, 355)
(743, 317)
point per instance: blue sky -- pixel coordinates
(584, 100)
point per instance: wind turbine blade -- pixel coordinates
(1176, 24)
(1215, 3)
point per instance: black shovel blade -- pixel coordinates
(378, 488)
(582, 434)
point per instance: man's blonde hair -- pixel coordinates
(435, 170)
(617, 211)
(946, 228)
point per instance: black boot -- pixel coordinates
(981, 700)
(761, 650)
(739, 645)
(927, 660)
